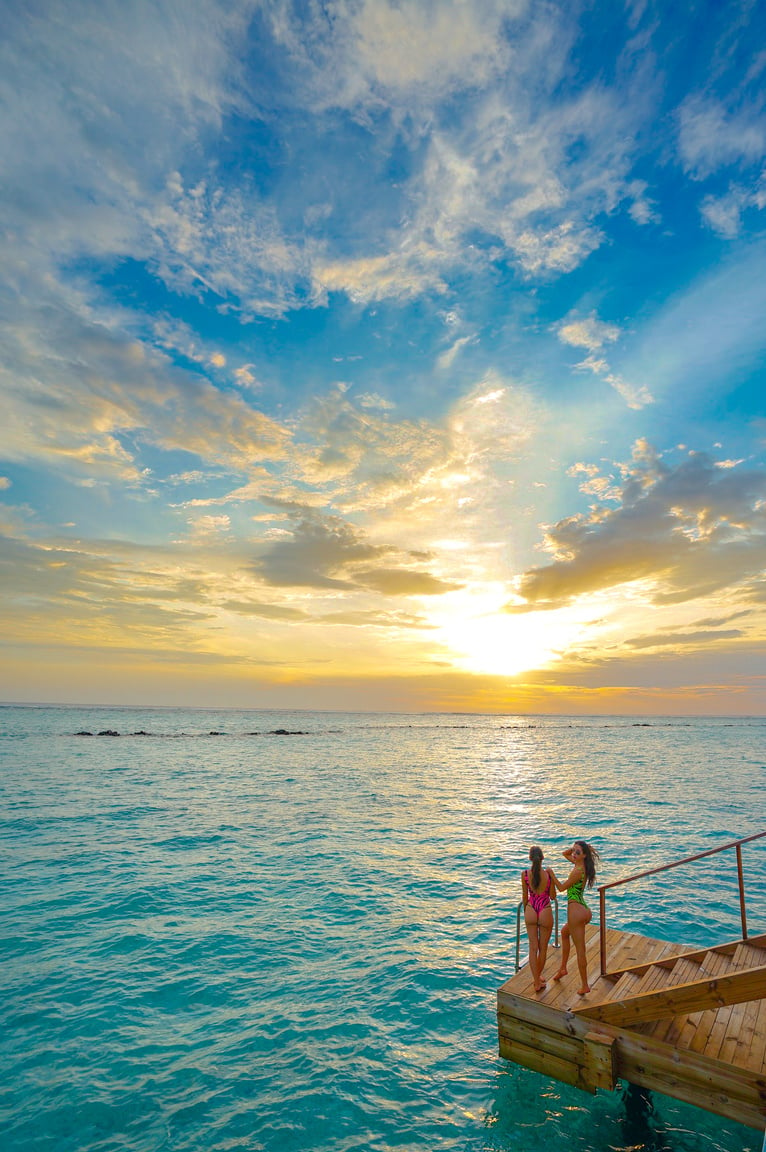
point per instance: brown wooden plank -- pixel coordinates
(734, 1027)
(748, 955)
(696, 1068)
(655, 980)
(533, 1011)
(598, 1067)
(563, 993)
(749, 1112)
(703, 1022)
(756, 1060)
(626, 950)
(717, 1032)
(744, 1038)
(635, 1052)
(728, 948)
(537, 1061)
(704, 1030)
(715, 964)
(670, 1029)
(736, 987)
(541, 1033)
(556, 1043)
(627, 985)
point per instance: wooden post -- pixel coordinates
(602, 929)
(741, 879)
(598, 1066)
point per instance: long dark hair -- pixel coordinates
(536, 857)
(591, 859)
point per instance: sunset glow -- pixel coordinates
(397, 356)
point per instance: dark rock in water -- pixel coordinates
(141, 733)
(216, 733)
(108, 732)
(286, 732)
(83, 733)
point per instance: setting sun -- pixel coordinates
(483, 637)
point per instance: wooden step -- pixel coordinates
(726, 949)
(660, 1003)
(747, 955)
(684, 972)
(625, 986)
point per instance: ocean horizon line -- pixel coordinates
(634, 716)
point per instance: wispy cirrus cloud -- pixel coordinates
(78, 393)
(711, 137)
(527, 164)
(591, 333)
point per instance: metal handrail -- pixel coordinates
(736, 844)
(519, 908)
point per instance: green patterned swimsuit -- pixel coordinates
(577, 893)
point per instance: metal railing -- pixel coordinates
(520, 909)
(736, 844)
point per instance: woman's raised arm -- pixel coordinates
(577, 873)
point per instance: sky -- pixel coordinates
(384, 355)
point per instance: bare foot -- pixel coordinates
(561, 972)
(541, 986)
(583, 991)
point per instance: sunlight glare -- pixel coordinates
(485, 639)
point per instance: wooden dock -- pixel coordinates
(688, 1023)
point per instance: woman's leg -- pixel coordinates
(579, 916)
(530, 919)
(545, 923)
(564, 952)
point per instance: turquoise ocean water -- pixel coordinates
(285, 931)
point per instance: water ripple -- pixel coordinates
(295, 943)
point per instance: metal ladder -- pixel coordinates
(520, 909)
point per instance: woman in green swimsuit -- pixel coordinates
(582, 856)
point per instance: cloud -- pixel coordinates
(266, 611)
(642, 209)
(374, 51)
(684, 532)
(447, 358)
(723, 214)
(103, 105)
(79, 395)
(523, 164)
(710, 137)
(399, 275)
(402, 46)
(209, 525)
(702, 637)
(326, 552)
(404, 582)
(317, 549)
(592, 333)
(213, 238)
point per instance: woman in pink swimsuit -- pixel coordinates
(536, 884)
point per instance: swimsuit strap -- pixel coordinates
(531, 889)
